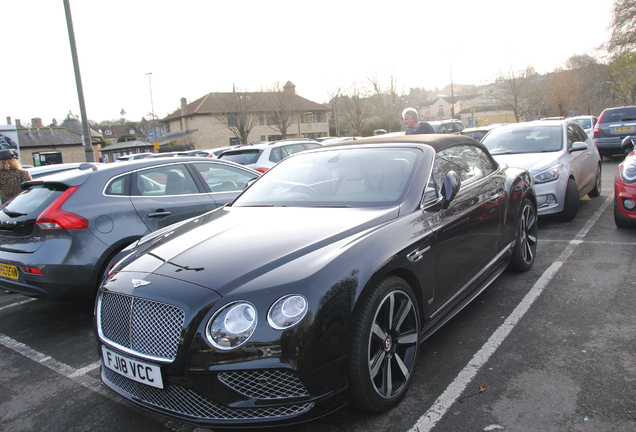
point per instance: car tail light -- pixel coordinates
(596, 126)
(261, 170)
(54, 218)
(31, 270)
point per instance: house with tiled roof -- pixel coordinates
(55, 143)
(202, 123)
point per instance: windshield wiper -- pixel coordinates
(12, 214)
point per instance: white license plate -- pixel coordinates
(136, 370)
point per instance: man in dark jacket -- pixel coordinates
(413, 123)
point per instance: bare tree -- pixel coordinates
(388, 102)
(623, 26)
(563, 93)
(519, 91)
(282, 108)
(240, 113)
(357, 109)
(591, 84)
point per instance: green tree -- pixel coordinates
(623, 27)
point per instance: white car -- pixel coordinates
(563, 160)
(587, 122)
(264, 155)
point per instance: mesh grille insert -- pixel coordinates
(264, 384)
(145, 326)
(184, 401)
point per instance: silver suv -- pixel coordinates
(261, 156)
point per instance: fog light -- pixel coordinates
(551, 199)
(629, 204)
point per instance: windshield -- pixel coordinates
(530, 139)
(584, 123)
(369, 177)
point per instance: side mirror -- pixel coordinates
(451, 185)
(578, 146)
(628, 143)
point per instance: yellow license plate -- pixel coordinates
(624, 129)
(10, 271)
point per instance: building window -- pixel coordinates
(167, 127)
(261, 118)
(235, 141)
(181, 124)
(274, 137)
(440, 110)
(232, 120)
(313, 117)
(263, 137)
(311, 135)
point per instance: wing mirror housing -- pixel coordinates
(628, 144)
(578, 146)
(451, 185)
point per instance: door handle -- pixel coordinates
(494, 198)
(416, 255)
(159, 214)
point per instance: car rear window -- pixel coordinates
(619, 115)
(242, 157)
(584, 123)
(31, 200)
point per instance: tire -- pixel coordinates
(571, 203)
(618, 220)
(525, 248)
(384, 345)
(598, 184)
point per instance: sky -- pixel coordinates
(194, 47)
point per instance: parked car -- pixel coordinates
(614, 124)
(316, 286)
(479, 132)
(263, 156)
(337, 140)
(44, 170)
(625, 187)
(57, 236)
(451, 126)
(562, 158)
(135, 156)
(587, 122)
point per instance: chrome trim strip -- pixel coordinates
(477, 276)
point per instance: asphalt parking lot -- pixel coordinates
(548, 350)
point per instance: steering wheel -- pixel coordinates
(304, 189)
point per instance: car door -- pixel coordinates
(468, 233)
(225, 181)
(581, 162)
(165, 194)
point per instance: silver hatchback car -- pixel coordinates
(563, 160)
(262, 156)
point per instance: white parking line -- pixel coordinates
(439, 408)
(17, 304)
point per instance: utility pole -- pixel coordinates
(86, 133)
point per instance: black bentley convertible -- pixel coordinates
(316, 286)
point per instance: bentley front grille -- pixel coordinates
(264, 384)
(142, 326)
(184, 401)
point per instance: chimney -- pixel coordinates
(8, 120)
(184, 106)
(36, 122)
(184, 111)
(18, 123)
(289, 88)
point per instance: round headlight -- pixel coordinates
(629, 171)
(287, 311)
(232, 326)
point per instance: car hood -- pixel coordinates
(534, 162)
(232, 246)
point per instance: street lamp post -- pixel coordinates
(152, 107)
(451, 79)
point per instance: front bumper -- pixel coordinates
(622, 192)
(236, 398)
(551, 196)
